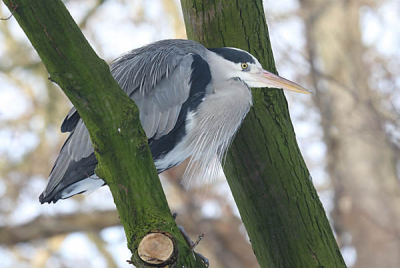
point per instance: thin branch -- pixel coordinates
(48, 226)
(9, 17)
(100, 244)
(14, 8)
(90, 13)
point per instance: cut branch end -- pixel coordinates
(156, 249)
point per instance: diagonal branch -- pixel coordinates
(125, 162)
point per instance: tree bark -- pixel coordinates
(125, 162)
(361, 163)
(270, 182)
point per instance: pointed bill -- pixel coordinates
(272, 80)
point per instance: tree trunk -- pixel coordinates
(270, 182)
(361, 163)
(125, 162)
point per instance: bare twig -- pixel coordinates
(9, 17)
(48, 226)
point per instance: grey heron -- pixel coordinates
(191, 99)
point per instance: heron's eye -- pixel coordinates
(244, 66)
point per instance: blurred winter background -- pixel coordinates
(346, 51)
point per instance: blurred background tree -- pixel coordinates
(345, 51)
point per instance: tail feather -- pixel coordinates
(74, 165)
(68, 176)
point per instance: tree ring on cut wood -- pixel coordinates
(156, 249)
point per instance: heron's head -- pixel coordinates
(234, 63)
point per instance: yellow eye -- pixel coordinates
(244, 66)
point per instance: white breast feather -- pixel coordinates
(209, 132)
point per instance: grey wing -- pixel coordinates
(158, 78)
(78, 145)
(70, 121)
(75, 163)
(160, 108)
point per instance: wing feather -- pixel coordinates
(70, 121)
(75, 162)
(168, 89)
(80, 145)
(171, 120)
(163, 121)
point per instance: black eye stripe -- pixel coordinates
(237, 56)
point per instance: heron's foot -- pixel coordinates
(192, 244)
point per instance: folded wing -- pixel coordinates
(158, 77)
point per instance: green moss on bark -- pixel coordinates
(125, 162)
